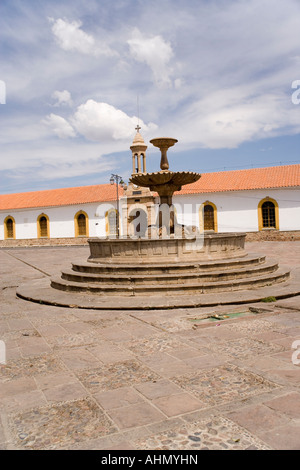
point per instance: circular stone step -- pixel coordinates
(40, 291)
(91, 267)
(169, 289)
(171, 278)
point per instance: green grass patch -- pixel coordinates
(269, 299)
(218, 317)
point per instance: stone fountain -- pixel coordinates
(165, 183)
(166, 241)
(164, 269)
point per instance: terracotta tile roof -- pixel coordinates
(285, 176)
(238, 180)
(60, 197)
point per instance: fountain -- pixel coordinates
(165, 268)
(165, 183)
(166, 241)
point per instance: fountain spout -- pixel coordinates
(163, 143)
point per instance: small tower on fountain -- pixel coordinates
(138, 149)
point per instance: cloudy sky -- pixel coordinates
(221, 76)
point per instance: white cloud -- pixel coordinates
(22, 130)
(59, 126)
(65, 169)
(55, 161)
(70, 37)
(223, 73)
(62, 98)
(178, 83)
(227, 118)
(103, 122)
(155, 52)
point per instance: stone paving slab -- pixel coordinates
(39, 289)
(159, 379)
(216, 433)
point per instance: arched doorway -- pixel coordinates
(43, 226)
(9, 227)
(209, 223)
(81, 224)
(208, 217)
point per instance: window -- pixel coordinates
(43, 226)
(208, 217)
(209, 223)
(81, 224)
(9, 227)
(268, 214)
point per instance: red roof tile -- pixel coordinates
(285, 176)
(60, 197)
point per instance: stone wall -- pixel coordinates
(44, 242)
(265, 235)
(273, 235)
(167, 250)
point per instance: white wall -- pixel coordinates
(237, 210)
(61, 220)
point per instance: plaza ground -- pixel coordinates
(86, 379)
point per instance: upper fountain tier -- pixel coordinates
(164, 182)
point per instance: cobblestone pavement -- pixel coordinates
(84, 379)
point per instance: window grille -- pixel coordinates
(268, 215)
(9, 228)
(209, 218)
(81, 221)
(43, 227)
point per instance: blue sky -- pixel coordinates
(216, 75)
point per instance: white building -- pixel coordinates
(58, 213)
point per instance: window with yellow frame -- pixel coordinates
(268, 214)
(208, 217)
(43, 226)
(81, 221)
(9, 228)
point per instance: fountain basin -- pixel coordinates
(165, 182)
(167, 250)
